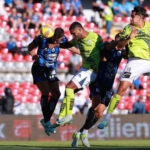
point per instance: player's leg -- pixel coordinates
(65, 115)
(91, 119)
(44, 88)
(55, 94)
(81, 79)
(131, 73)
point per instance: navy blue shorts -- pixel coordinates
(43, 74)
(97, 90)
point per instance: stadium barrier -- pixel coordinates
(28, 128)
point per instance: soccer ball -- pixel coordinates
(47, 31)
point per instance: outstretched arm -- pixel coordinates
(74, 50)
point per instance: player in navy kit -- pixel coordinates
(101, 89)
(44, 74)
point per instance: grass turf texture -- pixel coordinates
(95, 145)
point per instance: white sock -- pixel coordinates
(107, 116)
(85, 131)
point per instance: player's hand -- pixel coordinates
(51, 46)
(35, 57)
(133, 33)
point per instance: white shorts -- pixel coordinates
(135, 68)
(84, 77)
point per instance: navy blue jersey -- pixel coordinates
(47, 56)
(108, 69)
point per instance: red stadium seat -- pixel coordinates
(28, 58)
(19, 37)
(18, 57)
(37, 6)
(126, 19)
(3, 24)
(26, 85)
(121, 106)
(4, 51)
(8, 57)
(118, 19)
(21, 31)
(15, 85)
(11, 31)
(4, 84)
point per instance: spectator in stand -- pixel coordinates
(98, 6)
(35, 20)
(11, 45)
(141, 2)
(47, 7)
(77, 7)
(74, 65)
(115, 7)
(7, 102)
(135, 2)
(19, 5)
(1, 104)
(29, 6)
(147, 104)
(122, 9)
(108, 16)
(25, 17)
(128, 7)
(13, 18)
(27, 40)
(139, 106)
(67, 7)
(8, 3)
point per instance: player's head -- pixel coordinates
(76, 29)
(138, 14)
(58, 35)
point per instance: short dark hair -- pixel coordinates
(74, 25)
(59, 32)
(139, 10)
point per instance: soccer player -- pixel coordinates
(44, 74)
(101, 89)
(89, 44)
(137, 36)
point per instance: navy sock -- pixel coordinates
(90, 120)
(52, 105)
(45, 107)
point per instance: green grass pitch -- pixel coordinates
(95, 145)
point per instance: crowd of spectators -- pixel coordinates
(141, 106)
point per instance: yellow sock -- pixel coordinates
(63, 109)
(113, 103)
(69, 101)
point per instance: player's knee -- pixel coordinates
(98, 114)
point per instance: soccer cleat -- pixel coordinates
(64, 121)
(75, 138)
(47, 127)
(55, 125)
(84, 139)
(103, 124)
